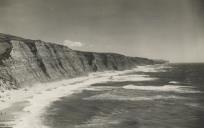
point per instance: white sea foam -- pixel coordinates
(165, 88)
(101, 88)
(173, 82)
(120, 78)
(194, 105)
(41, 96)
(108, 96)
(152, 68)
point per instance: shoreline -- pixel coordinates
(25, 105)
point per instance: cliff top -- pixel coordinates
(5, 40)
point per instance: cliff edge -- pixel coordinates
(24, 62)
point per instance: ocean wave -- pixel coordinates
(120, 78)
(173, 82)
(194, 105)
(108, 96)
(152, 68)
(101, 88)
(165, 88)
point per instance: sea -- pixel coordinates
(169, 96)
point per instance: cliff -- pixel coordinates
(24, 62)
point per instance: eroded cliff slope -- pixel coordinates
(24, 62)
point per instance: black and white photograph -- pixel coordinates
(101, 63)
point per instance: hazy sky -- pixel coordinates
(166, 29)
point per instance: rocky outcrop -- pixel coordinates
(24, 62)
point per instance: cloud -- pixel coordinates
(70, 43)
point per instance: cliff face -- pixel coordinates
(24, 62)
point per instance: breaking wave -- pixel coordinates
(101, 88)
(152, 68)
(173, 82)
(165, 88)
(108, 96)
(120, 78)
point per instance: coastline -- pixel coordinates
(25, 106)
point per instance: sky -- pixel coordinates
(159, 29)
